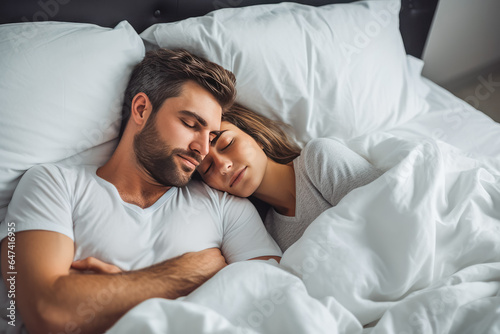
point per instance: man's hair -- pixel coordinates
(162, 73)
(266, 132)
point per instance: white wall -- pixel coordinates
(464, 38)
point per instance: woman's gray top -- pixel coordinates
(325, 172)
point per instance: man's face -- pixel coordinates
(176, 139)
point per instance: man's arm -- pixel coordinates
(244, 234)
(93, 265)
(52, 300)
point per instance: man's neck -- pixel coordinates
(132, 182)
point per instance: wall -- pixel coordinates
(463, 41)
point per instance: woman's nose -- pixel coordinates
(223, 164)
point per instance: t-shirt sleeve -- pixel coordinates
(41, 201)
(335, 170)
(244, 235)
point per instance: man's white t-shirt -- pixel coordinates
(76, 202)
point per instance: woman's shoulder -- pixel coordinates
(320, 146)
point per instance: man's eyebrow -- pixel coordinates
(214, 141)
(200, 119)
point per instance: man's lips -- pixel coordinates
(192, 161)
(237, 177)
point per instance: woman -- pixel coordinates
(252, 156)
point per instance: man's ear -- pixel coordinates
(141, 109)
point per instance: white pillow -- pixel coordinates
(332, 71)
(62, 88)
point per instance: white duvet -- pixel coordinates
(415, 251)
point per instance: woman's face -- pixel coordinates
(235, 164)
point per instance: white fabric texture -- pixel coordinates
(75, 201)
(415, 251)
(325, 172)
(333, 71)
(455, 122)
(62, 89)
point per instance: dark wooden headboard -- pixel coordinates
(415, 16)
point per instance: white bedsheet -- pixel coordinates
(453, 121)
(415, 251)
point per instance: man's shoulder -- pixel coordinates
(200, 188)
(56, 172)
(56, 168)
(43, 170)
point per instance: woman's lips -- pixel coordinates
(238, 178)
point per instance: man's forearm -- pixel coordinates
(93, 303)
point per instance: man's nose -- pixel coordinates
(201, 145)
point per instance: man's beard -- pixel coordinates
(158, 159)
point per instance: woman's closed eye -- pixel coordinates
(209, 166)
(224, 144)
(227, 146)
(224, 141)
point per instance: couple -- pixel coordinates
(159, 235)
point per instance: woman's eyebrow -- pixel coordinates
(214, 141)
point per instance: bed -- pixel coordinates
(415, 251)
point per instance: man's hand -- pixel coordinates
(205, 263)
(91, 265)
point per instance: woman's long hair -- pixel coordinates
(266, 132)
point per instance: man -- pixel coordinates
(134, 212)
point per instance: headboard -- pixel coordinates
(415, 16)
